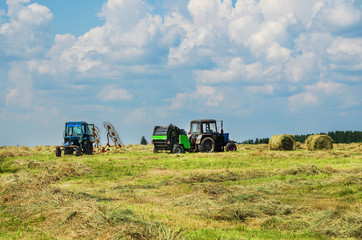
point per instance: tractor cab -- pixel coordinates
(206, 126)
(78, 137)
(78, 132)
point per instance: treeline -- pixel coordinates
(337, 136)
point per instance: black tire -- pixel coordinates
(88, 148)
(207, 145)
(155, 150)
(78, 151)
(230, 146)
(68, 151)
(177, 149)
(58, 152)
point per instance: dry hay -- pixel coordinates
(319, 142)
(31, 197)
(282, 142)
(23, 151)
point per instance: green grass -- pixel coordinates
(131, 193)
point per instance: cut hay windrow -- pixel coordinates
(319, 142)
(282, 142)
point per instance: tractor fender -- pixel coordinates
(198, 139)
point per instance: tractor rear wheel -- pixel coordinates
(58, 152)
(88, 148)
(230, 147)
(207, 145)
(177, 149)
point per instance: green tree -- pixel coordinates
(143, 141)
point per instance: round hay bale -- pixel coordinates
(283, 142)
(319, 142)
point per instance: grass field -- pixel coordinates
(131, 193)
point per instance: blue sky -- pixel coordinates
(262, 68)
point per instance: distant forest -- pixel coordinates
(337, 136)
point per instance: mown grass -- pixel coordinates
(131, 193)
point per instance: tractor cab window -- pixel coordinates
(195, 128)
(209, 128)
(74, 131)
(89, 128)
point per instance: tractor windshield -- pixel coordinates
(209, 127)
(195, 128)
(74, 131)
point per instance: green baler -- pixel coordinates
(171, 139)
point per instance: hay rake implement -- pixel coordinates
(97, 137)
(113, 135)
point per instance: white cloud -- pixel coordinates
(236, 70)
(245, 19)
(324, 94)
(21, 88)
(273, 10)
(112, 93)
(306, 99)
(138, 115)
(302, 68)
(26, 32)
(346, 53)
(335, 15)
(204, 96)
(326, 87)
(342, 14)
(267, 89)
(276, 53)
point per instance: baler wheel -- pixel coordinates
(177, 149)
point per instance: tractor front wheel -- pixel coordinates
(78, 151)
(58, 152)
(207, 145)
(230, 147)
(155, 150)
(177, 149)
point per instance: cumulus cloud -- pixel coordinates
(20, 92)
(112, 93)
(236, 70)
(27, 32)
(346, 54)
(206, 96)
(324, 94)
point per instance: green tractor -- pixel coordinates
(203, 137)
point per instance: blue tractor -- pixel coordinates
(78, 137)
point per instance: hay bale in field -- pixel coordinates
(282, 142)
(319, 142)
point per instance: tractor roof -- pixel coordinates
(203, 120)
(75, 123)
